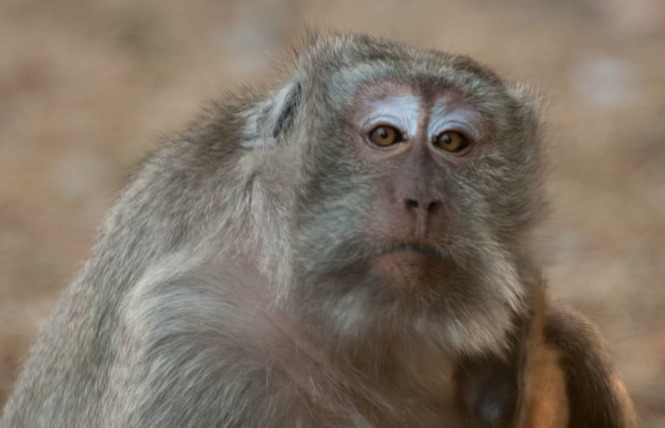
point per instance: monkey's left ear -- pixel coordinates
(530, 100)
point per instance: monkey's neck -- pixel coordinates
(309, 352)
(380, 376)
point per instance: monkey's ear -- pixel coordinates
(531, 102)
(286, 109)
(271, 118)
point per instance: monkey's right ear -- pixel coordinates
(274, 116)
(287, 110)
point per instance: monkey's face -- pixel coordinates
(412, 213)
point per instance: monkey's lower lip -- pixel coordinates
(408, 248)
(413, 255)
(407, 265)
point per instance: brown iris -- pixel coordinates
(451, 141)
(385, 136)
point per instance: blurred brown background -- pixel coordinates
(86, 89)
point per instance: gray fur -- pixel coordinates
(215, 296)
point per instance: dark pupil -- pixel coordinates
(383, 133)
(447, 139)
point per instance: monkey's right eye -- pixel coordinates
(385, 136)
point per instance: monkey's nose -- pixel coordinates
(423, 213)
(427, 207)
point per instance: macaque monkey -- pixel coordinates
(346, 249)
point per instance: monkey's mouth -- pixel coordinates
(410, 265)
(424, 250)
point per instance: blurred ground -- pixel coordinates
(86, 89)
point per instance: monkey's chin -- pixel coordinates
(406, 269)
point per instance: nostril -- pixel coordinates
(411, 203)
(433, 207)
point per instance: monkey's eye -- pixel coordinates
(385, 136)
(451, 141)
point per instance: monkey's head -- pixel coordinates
(420, 177)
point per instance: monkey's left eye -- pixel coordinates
(451, 141)
(385, 136)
